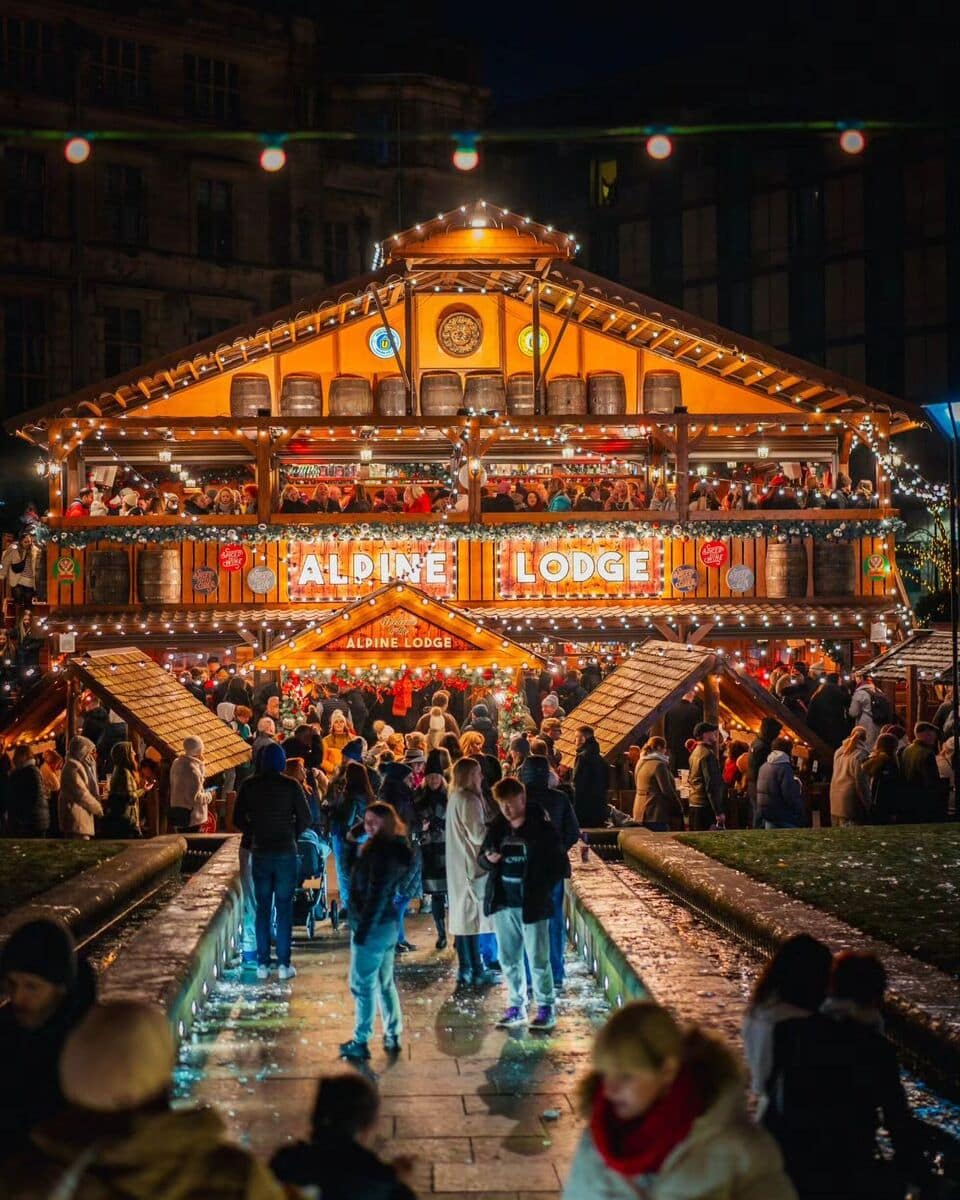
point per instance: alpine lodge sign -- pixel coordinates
(581, 567)
(335, 570)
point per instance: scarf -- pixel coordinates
(640, 1146)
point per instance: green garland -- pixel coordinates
(77, 539)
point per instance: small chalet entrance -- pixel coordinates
(401, 645)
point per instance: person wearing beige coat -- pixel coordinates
(79, 803)
(849, 784)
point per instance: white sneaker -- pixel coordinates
(287, 972)
(263, 972)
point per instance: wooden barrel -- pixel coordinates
(661, 391)
(158, 576)
(301, 395)
(441, 394)
(484, 392)
(391, 396)
(351, 396)
(834, 569)
(786, 570)
(606, 393)
(520, 394)
(249, 395)
(566, 396)
(108, 577)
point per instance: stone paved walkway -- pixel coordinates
(468, 1100)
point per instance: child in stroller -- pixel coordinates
(310, 899)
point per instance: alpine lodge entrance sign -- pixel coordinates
(581, 567)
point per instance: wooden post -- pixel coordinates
(537, 380)
(264, 476)
(474, 490)
(71, 710)
(912, 698)
(683, 472)
(413, 406)
(884, 487)
(808, 547)
(711, 699)
(843, 457)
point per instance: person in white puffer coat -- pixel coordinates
(667, 1119)
(79, 802)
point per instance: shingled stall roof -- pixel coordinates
(929, 650)
(158, 706)
(635, 695)
(626, 705)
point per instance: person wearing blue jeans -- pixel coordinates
(525, 859)
(271, 812)
(382, 861)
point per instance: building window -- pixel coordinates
(603, 182)
(924, 199)
(771, 308)
(843, 213)
(849, 359)
(701, 300)
(700, 242)
(768, 227)
(806, 217)
(24, 177)
(204, 327)
(925, 285)
(211, 88)
(121, 70)
(336, 250)
(122, 340)
(214, 219)
(925, 366)
(24, 351)
(303, 222)
(635, 253)
(124, 216)
(26, 54)
(843, 298)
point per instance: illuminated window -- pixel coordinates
(603, 182)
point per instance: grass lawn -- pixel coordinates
(898, 884)
(28, 868)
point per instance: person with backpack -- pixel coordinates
(921, 775)
(888, 800)
(870, 709)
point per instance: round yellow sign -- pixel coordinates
(525, 340)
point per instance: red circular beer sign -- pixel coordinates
(713, 554)
(232, 558)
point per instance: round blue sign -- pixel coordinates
(685, 579)
(383, 342)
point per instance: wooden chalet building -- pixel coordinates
(475, 369)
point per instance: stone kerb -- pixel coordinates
(91, 898)
(923, 1003)
(175, 958)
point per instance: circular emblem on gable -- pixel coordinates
(713, 554)
(460, 332)
(261, 580)
(232, 558)
(66, 569)
(204, 580)
(525, 340)
(383, 341)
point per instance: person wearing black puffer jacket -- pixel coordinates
(28, 810)
(591, 781)
(535, 777)
(480, 722)
(382, 860)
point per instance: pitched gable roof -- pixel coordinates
(326, 644)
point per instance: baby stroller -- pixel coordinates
(310, 898)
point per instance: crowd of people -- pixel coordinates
(93, 500)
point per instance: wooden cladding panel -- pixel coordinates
(478, 572)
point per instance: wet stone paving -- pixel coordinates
(485, 1112)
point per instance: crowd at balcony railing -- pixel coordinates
(789, 486)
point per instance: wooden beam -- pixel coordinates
(738, 364)
(696, 636)
(711, 699)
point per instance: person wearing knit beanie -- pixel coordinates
(49, 993)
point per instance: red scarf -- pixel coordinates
(640, 1146)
